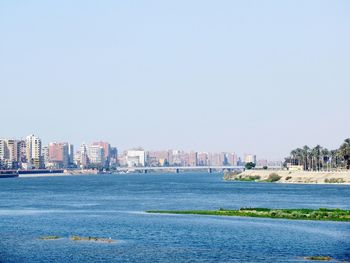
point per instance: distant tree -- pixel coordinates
(249, 165)
(345, 152)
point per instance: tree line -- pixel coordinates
(320, 158)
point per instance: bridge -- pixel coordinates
(177, 169)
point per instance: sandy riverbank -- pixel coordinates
(297, 177)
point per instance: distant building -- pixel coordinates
(58, 155)
(113, 157)
(33, 152)
(192, 159)
(83, 160)
(10, 153)
(215, 159)
(96, 155)
(202, 159)
(262, 163)
(70, 155)
(107, 151)
(135, 158)
(249, 158)
(232, 158)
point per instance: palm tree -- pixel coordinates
(317, 155)
(293, 155)
(344, 151)
(325, 157)
(306, 154)
(334, 154)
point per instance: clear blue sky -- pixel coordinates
(243, 76)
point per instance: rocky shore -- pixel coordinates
(294, 177)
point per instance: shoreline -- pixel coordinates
(292, 177)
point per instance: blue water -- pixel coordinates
(113, 206)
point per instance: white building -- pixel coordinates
(96, 155)
(33, 151)
(135, 158)
(249, 158)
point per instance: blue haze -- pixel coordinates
(244, 76)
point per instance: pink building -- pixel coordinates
(106, 148)
(58, 154)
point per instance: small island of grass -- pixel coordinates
(318, 258)
(92, 239)
(323, 214)
(49, 237)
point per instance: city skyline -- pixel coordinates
(31, 153)
(245, 75)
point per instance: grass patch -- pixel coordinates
(318, 258)
(92, 239)
(334, 180)
(324, 214)
(49, 237)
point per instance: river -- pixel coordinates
(113, 206)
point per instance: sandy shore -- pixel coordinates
(298, 177)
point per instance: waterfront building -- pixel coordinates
(232, 158)
(106, 148)
(10, 153)
(96, 155)
(262, 162)
(215, 159)
(113, 157)
(249, 158)
(45, 154)
(135, 157)
(33, 152)
(70, 155)
(157, 158)
(122, 159)
(192, 158)
(84, 156)
(58, 155)
(202, 158)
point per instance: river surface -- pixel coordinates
(113, 206)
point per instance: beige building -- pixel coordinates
(33, 152)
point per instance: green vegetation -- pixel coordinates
(49, 237)
(273, 177)
(319, 158)
(92, 239)
(334, 180)
(251, 178)
(319, 258)
(298, 214)
(249, 166)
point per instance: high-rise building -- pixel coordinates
(33, 152)
(83, 161)
(232, 158)
(70, 155)
(192, 158)
(249, 158)
(135, 157)
(202, 158)
(96, 155)
(10, 153)
(215, 159)
(58, 155)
